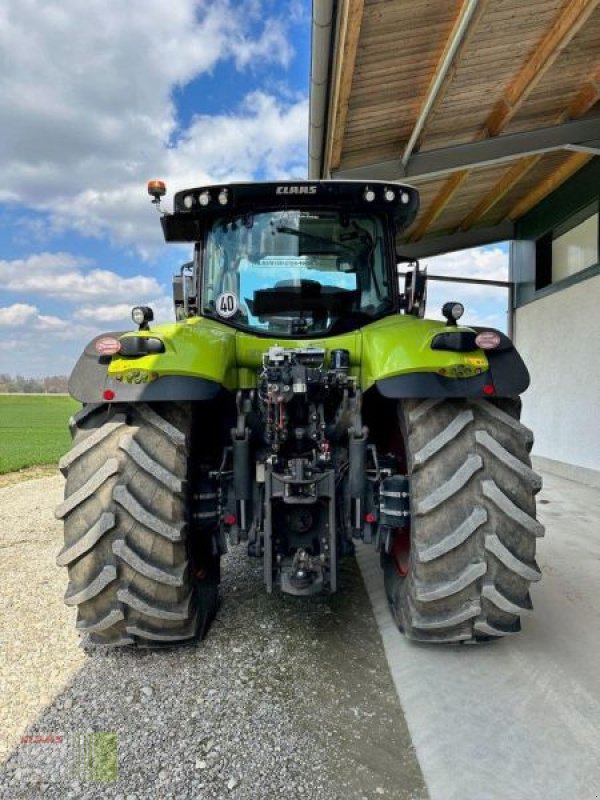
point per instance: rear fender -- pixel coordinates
(94, 375)
(506, 373)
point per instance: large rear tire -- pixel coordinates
(473, 526)
(127, 533)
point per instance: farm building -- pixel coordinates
(491, 109)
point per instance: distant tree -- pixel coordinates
(53, 384)
(56, 384)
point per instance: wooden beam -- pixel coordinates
(450, 75)
(500, 190)
(585, 98)
(347, 47)
(573, 15)
(434, 245)
(549, 184)
(443, 197)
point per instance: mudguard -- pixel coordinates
(506, 372)
(198, 358)
(89, 380)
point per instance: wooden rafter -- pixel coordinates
(456, 61)
(585, 98)
(571, 17)
(549, 184)
(450, 187)
(347, 46)
(500, 190)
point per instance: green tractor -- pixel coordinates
(300, 402)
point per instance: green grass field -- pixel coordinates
(33, 429)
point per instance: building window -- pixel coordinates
(576, 249)
(568, 249)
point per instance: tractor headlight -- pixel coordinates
(204, 198)
(188, 200)
(390, 195)
(223, 197)
(142, 315)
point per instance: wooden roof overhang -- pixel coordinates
(486, 106)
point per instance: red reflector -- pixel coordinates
(489, 389)
(230, 519)
(107, 346)
(108, 394)
(370, 517)
(487, 340)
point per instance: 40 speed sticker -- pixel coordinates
(227, 304)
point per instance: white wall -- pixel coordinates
(559, 339)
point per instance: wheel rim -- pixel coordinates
(401, 551)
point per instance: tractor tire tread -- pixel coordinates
(125, 516)
(474, 527)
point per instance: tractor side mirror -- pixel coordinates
(414, 299)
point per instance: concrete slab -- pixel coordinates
(518, 718)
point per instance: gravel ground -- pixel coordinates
(285, 698)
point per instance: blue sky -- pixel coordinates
(99, 97)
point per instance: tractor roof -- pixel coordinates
(194, 209)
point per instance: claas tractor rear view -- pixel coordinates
(300, 402)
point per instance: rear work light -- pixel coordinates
(107, 346)
(369, 195)
(487, 340)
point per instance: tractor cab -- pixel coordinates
(290, 259)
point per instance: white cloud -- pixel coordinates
(53, 344)
(88, 93)
(483, 263)
(52, 341)
(46, 322)
(484, 305)
(271, 46)
(45, 346)
(17, 314)
(484, 309)
(66, 277)
(87, 98)
(21, 315)
(104, 313)
(121, 312)
(264, 135)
